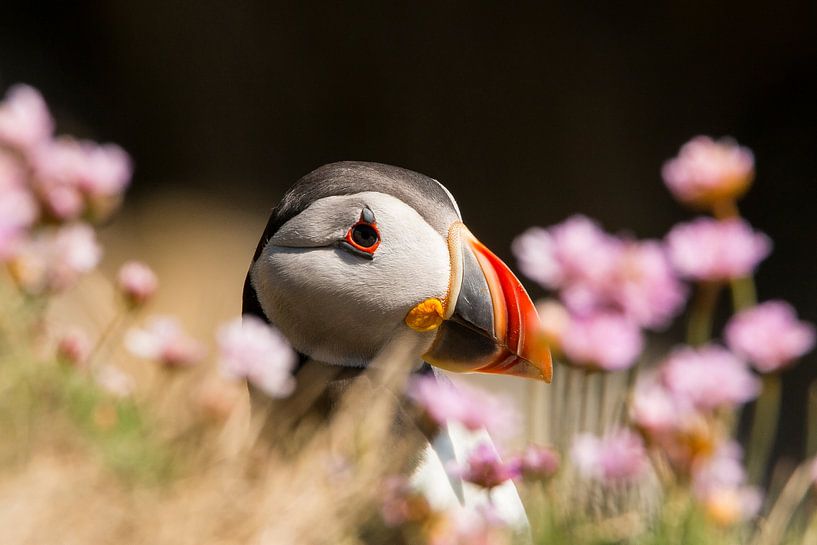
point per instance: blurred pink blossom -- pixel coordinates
(594, 271)
(252, 349)
(76, 176)
(137, 282)
(706, 171)
(616, 457)
(655, 409)
(718, 482)
(712, 250)
(54, 259)
(769, 336)
(484, 467)
(645, 286)
(722, 469)
(709, 377)
(25, 122)
(604, 341)
(163, 340)
(18, 208)
(573, 253)
(114, 381)
(475, 409)
(74, 347)
(538, 463)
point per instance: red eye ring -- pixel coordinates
(363, 237)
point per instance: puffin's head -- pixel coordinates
(356, 254)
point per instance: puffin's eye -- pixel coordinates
(365, 235)
(363, 238)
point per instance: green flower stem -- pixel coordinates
(743, 293)
(811, 421)
(699, 328)
(764, 427)
(773, 530)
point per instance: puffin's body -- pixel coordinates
(357, 255)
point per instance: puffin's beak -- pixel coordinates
(489, 322)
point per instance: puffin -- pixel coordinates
(358, 254)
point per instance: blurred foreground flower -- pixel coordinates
(617, 457)
(718, 482)
(709, 377)
(538, 463)
(54, 258)
(602, 341)
(114, 381)
(484, 467)
(769, 336)
(712, 250)
(164, 341)
(707, 172)
(252, 349)
(442, 401)
(137, 282)
(597, 272)
(74, 177)
(74, 348)
(25, 122)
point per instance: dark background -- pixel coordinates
(527, 113)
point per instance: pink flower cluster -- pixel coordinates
(719, 483)
(163, 340)
(485, 468)
(706, 172)
(769, 336)
(442, 402)
(251, 349)
(676, 407)
(49, 187)
(611, 288)
(716, 250)
(618, 457)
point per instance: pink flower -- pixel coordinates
(164, 341)
(616, 457)
(594, 271)
(604, 341)
(566, 256)
(711, 250)
(114, 381)
(722, 469)
(769, 335)
(74, 176)
(474, 409)
(538, 463)
(709, 377)
(25, 122)
(484, 468)
(55, 259)
(74, 348)
(655, 409)
(718, 482)
(137, 282)
(253, 350)
(706, 171)
(644, 285)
